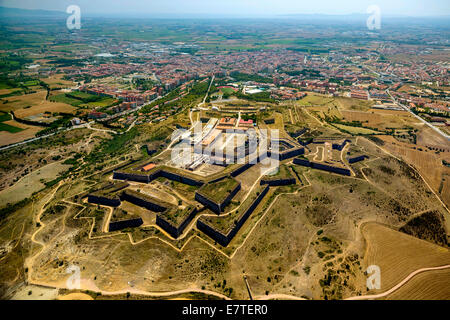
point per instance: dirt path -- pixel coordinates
(31, 259)
(140, 292)
(292, 117)
(278, 297)
(107, 220)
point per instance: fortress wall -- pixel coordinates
(188, 220)
(230, 197)
(150, 152)
(302, 162)
(241, 169)
(167, 226)
(285, 142)
(131, 177)
(180, 178)
(147, 178)
(120, 166)
(142, 202)
(222, 239)
(356, 159)
(298, 176)
(325, 167)
(105, 201)
(279, 182)
(321, 166)
(208, 203)
(305, 142)
(246, 215)
(218, 179)
(173, 230)
(214, 206)
(212, 233)
(298, 133)
(119, 225)
(339, 147)
(292, 153)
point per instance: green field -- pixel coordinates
(228, 91)
(4, 116)
(104, 102)
(65, 99)
(8, 128)
(84, 100)
(81, 95)
(4, 85)
(31, 83)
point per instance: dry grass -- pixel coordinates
(428, 136)
(428, 163)
(31, 183)
(355, 130)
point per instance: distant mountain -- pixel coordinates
(326, 16)
(15, 13)
(6, 12)
(359, 16)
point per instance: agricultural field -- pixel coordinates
(7, 124)
(17, 132)
(10, 88)
(35, 103)
(83, 100)
(430, 285)
(398, 255)
(57, 82)
(12, 131)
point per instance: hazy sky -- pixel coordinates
(238, 7)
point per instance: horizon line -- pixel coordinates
(228, 16)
